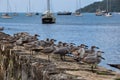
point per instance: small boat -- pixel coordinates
(78, 14)
(15, 14)
(108, 13)
(64, 13)
(78, 11)
(6, 16)
(36, 13)
(47, 17)
(98, 12)
(29, 13)
(115, 65)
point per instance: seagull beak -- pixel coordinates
(97, 47)
(102, 58)
(72, 43)
(38, 35)
(55, 40)
(102, 52)
(86, 46)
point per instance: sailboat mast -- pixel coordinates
(80, 5)
(107, 6)
(29, 6)
(48, 5)
(7, 5)
(48, 18)
(76, 4)
(110, 6)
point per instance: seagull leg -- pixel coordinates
(92, 68)
(48, 57)
(64, 57)
(61, 57)
(95, 66)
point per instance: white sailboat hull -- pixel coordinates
(29, 14)
(6, 16)
(15, 14)
(78, 15)
(108, 15)
(48, 17)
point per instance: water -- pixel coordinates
(89, 29)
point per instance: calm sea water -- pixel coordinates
(89, 29)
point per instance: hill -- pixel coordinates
(114, 6)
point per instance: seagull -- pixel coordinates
(94, 59)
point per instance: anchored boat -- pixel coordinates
(29, 13)
(48, 17)
(108, 13)
(6, 15)
(64, 13)
(78, 5)
(99, 12)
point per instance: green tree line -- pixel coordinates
(113, 6)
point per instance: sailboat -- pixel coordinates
(78, 12)
(6, 15)
(48, 17)
(15, 13)
(29, 9)
(99, 12)
(108, 14)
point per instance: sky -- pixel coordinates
(40, 5)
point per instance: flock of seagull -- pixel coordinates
(81, 53)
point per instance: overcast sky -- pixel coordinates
(40, 5)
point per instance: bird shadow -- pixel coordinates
(100, 72)
(104, 73)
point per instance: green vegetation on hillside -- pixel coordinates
(114, 6)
